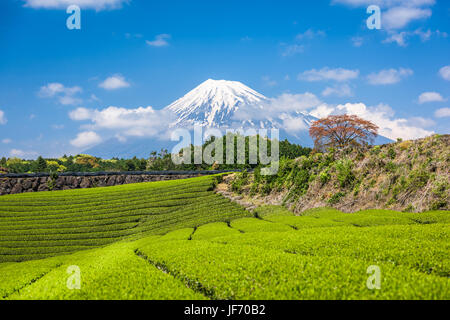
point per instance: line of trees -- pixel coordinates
(157, 161)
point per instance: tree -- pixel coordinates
(87, 160)
(41, 164)
(341, 131)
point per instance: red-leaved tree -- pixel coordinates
(341, 131)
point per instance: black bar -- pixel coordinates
(224, 309)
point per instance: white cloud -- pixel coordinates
(294, 124)
(445, 73)
(322, 111)
(6, 141)
(399, 17)
(114, 82)
(58, 126)
(430, 97)
(2, 117)
(292, 50)
(51, 90)
(389, 76)
(134, 35)
(98, 5)
(80, 114)
(94, 98)
(424, 35)
(86, 139)
(357, 41)
(120, 138)
(288, 110)
(69, 100)
(286, 107)
(343, 90)
(421, 122)
(279, 107)
(324, 74)
(288, 102)
(128, 122)
(161, 40)
(401, 38)
(442, 113)
(310, 34)
(65, 95)
(383, 116)
(269, 82)
(385, 3)
(22, 154)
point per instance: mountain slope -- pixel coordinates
(405, 176)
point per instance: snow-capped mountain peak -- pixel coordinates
(213, 103)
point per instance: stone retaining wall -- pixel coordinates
(21, 183)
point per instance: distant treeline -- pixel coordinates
(157, 161)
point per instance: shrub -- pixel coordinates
(391, 167)
(437, 205)
(376, 150)
(356, 189)
(336, 198)
(52, 181)
(405, 145)
(440, 188)
(324, 177)
(345, 174)
(391, 153)
(410, 208)
(417, 179)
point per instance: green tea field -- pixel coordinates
(181, 240)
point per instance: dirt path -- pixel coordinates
(223, 189)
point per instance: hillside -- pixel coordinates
(405, 176)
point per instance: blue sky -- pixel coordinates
(55, 82)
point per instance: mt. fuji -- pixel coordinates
(228, 104)
(213, 104)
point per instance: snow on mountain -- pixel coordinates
(214, 103)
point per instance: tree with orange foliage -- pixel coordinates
(341, 131)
